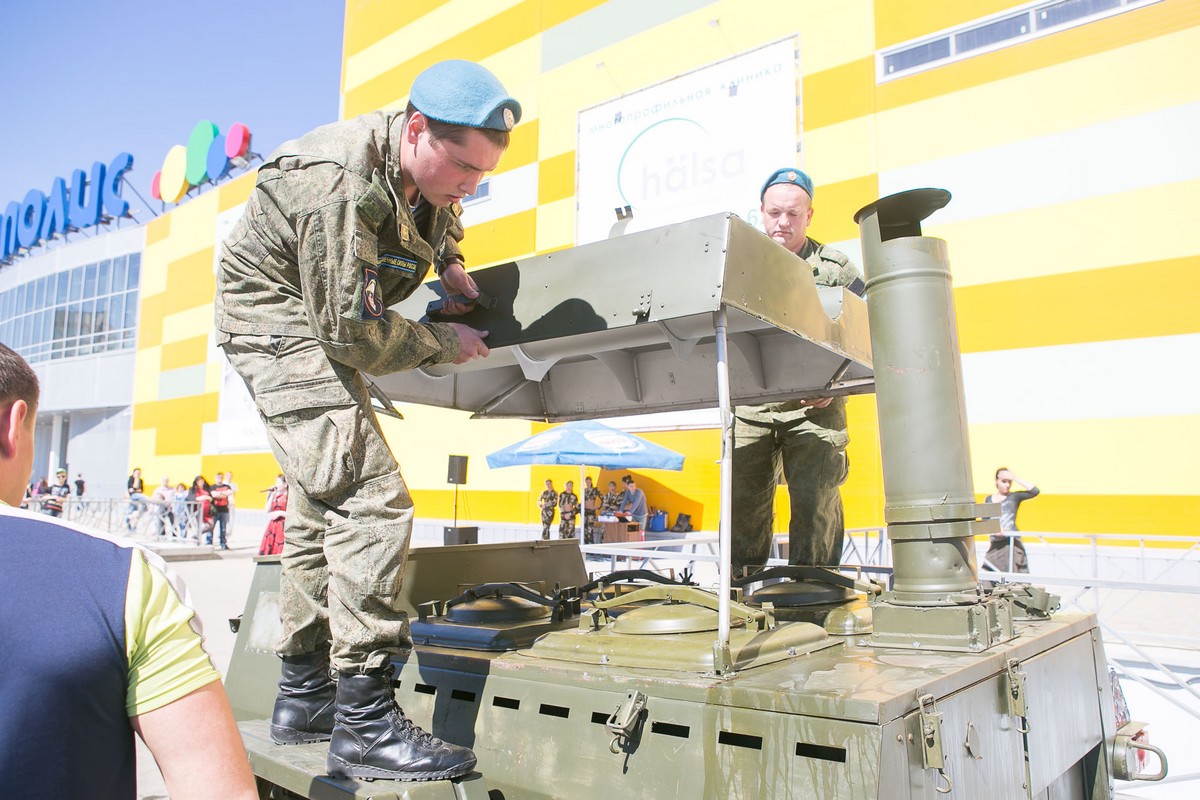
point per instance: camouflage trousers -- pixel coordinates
(814, 470)
(591, 527)
(547, 521)
(566, 526)
(350, 515)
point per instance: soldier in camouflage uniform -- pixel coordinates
(343, 223)
(804, 439)
(568, 510)
(591, 506)
(547, 502)
(612, 500)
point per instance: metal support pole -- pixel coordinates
(725, 529)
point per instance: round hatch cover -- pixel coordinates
(792, 594)
(492, 609)
(669, 618)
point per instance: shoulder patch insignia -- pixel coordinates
(372, 295)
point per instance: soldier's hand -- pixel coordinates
(456, 281)
(817, 402)
(470, 343)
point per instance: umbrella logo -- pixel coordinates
(613, 441)
(541, 440)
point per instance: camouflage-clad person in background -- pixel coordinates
(568, 510)
(591, 508)
(547, 502)
(804, 439)
(343, 223)
(612, 500)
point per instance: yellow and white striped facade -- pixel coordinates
(1073, 234)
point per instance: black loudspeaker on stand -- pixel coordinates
(456, 473)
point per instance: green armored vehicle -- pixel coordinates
(792, 683)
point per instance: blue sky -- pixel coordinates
(86, 80)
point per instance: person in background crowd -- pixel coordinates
(568, 510)
(135, 489)
(99, 642)
(612, 500)
(179, 509)
(55, 498)
(277, 499)
(162, 500)
(200, 499)
(548, 502)
(80, 486)
(222, 493)
(633, 502)
(1009, 551)
(591, 509)
(802, 440)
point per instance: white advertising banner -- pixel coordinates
(697, 144)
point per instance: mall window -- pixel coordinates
(1020, 24)
(77, 312)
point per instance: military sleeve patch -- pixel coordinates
(372, 295)
(393, 261)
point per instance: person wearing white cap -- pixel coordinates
(343, 223)
(804, 440)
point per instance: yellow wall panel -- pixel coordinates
(369, 21)
(1133, 32)
(186, 353)
(141, 448)
(556, 178)
(192, 228)
(839, 94)
(556, 225)
(186, 324)
(501, 239)
(834, 207)
(237, 191)
(418, 34)
(153, 278)
(522, 147)
(840, 152)
(190, 281)
(495, 31)
(157, 230)
(1114, 84)
(1104, 305)
(146, 363)
(150, 315)
(1146, 515)
(1155, 224)
(1085, 454)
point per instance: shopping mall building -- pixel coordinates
(1065, 129)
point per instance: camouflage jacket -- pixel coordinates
(591, 499)
(830, 268)
(549, 499)
(568, 503)
(327, 242)
(611, 501)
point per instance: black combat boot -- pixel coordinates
(373, 739)
(304, 705)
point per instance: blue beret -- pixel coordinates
(464, 93)
(788, 175)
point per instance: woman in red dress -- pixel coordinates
(272, 541)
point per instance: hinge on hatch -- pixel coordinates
(930, 720)
(1016, 693)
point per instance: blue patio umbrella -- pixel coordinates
(587, 443)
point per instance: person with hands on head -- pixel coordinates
(1007, 553)
(100, 643)
(343, 223)
(804, 440)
